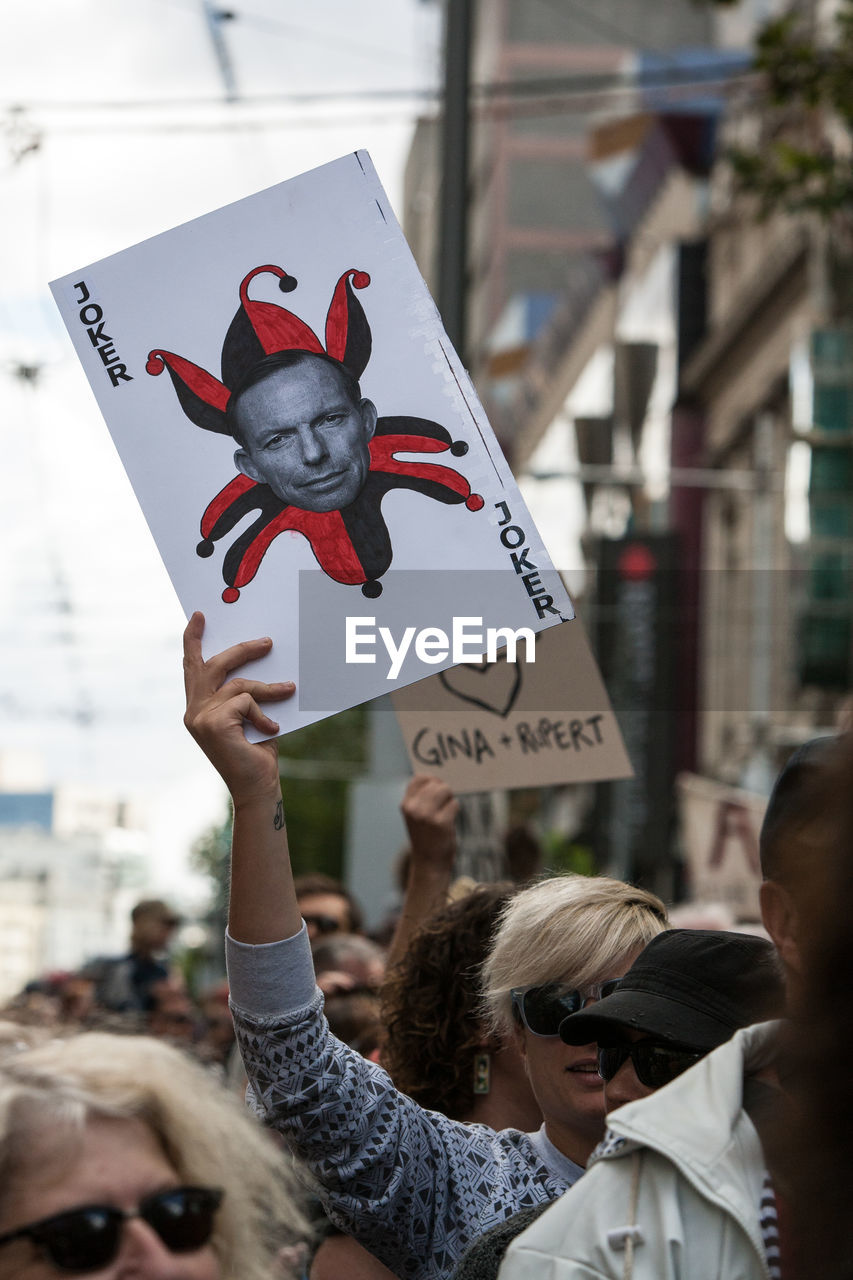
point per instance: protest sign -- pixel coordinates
(720, 827)
(522, 724)
(287, 405)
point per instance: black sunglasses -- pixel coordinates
(655, 1062)
(89, 1238)
(542, 1009)
(323, 924)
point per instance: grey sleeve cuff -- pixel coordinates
(273, 978)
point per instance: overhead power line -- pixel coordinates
(253, 100)
(676, 477)
(695, 75)
(130, 127)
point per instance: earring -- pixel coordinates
(482, 1072)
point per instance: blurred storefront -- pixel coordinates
(665, 369)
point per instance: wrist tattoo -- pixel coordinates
(278, 820)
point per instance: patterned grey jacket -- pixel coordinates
(413, 1186)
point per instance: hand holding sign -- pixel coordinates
(263, 906)
(430, 809)
(218, 710)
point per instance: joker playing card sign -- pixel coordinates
(306, 447)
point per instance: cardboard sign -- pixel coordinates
(720, 827)
(287, 405)
(522, 724)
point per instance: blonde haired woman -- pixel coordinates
(560, 944)
(121, 1157)
(411, 1185)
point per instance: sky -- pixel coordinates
(114, 126)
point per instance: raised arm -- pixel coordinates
(411, 1185)
(429, 809)
(263, 903)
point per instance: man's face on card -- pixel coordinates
(305, 435)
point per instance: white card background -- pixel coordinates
(178, 292)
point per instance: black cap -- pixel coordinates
(691, 986)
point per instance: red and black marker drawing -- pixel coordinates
(313, 455)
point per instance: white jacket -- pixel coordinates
(697, 1168)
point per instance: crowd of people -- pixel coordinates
(529, 1079)
(140, 991)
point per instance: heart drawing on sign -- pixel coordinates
(494, 686)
